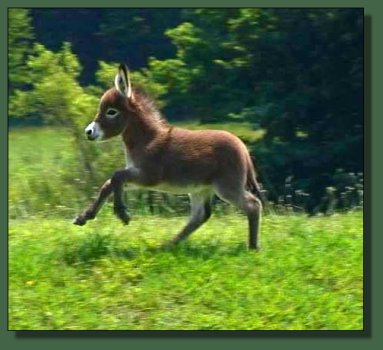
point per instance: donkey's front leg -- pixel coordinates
(91, 212)
(118, 179)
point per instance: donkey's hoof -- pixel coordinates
(170, 245)
(79, 220)
(122, 215)
(125, 218)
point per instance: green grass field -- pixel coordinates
(308, 275)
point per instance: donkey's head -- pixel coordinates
(115, 107)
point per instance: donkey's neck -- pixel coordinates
(142, 130)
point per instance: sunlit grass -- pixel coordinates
(109, 276)
(44, 169)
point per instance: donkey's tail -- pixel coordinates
(251, 182)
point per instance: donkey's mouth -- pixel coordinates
(91, 138)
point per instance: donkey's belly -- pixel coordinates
(178, 189)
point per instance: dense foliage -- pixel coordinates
(295, 73)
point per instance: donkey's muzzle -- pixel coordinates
(93, 131)
(90, 134)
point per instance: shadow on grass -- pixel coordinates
(86, 251)
(207, 250)
(94, 247)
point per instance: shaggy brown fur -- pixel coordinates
(171, 159)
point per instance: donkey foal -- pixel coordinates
(165, 158)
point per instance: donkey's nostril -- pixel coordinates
(93, 131)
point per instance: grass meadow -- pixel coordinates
(106, 276)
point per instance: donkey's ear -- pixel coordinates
(122, 81)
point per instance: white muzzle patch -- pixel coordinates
(94, 132)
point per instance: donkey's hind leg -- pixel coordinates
(91, 212)
(200, 213)
(250, 204)
(253, 209)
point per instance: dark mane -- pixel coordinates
(146, 106)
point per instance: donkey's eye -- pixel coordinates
(111, 113)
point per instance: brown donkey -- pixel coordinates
(165, 158)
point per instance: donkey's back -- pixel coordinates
(204, 157)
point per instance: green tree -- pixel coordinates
(55, 92)
(111, 35)
(313, 81)
(56, 96)
(20, 38)
(133, 35)
(209, 76)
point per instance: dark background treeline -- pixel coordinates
(296, 74)
(117, 35)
